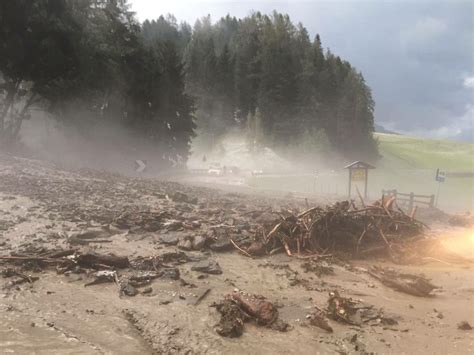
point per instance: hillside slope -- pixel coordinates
(407, 152)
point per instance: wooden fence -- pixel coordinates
(411, 199)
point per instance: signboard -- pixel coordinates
(358, 171)
(440, 175)
(140, 165)
(358, 174)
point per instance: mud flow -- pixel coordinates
(93, 262)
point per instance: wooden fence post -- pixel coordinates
(412, 201)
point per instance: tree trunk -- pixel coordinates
(17, 124)
(11, 93)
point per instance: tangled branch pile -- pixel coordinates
(342, 228)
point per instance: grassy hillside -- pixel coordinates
(406, 152)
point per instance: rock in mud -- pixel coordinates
(257, 248)
(221, 244)
(147, 291)
(208, 267)
(232, 319)
(318, 319)
(221, 240)
(464, 325)
(128, 290)
(185, 243)
(257, 307)
(199, 242)
(175, 257)
(169, 273)
(169, 239)
(87, 236)
(173, 225)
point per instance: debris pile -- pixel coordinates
(342, 309)
(347, 311)
(339, 228)
(238, 308)
(101, 268)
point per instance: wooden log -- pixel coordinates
(308, 211)
(89, 260)
(273, 231)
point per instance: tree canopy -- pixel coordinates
(265, 63)
(73, 55)
(160, 77)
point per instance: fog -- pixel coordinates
(103, 145)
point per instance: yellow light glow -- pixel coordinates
(462, 243)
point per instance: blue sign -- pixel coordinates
(440, 175)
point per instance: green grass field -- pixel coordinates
(408, 164)
(404, 152)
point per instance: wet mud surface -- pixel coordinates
(181, 233)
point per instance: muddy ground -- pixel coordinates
(42, 206)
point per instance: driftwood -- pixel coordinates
(407, 283)
(89, 260)
(240, 249)
(203, 295)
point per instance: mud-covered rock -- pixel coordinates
(169, 239)
(258, 307)
(464, 325)
(185, 243)
(169, 273)
(237, 308)
(232, 319)
(208, 267)
(199, 242)
(128, 290)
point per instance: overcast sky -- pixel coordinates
(417, 55)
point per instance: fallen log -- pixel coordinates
(407, 283)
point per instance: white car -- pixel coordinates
(215, 171)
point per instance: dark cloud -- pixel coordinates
(415, 55)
